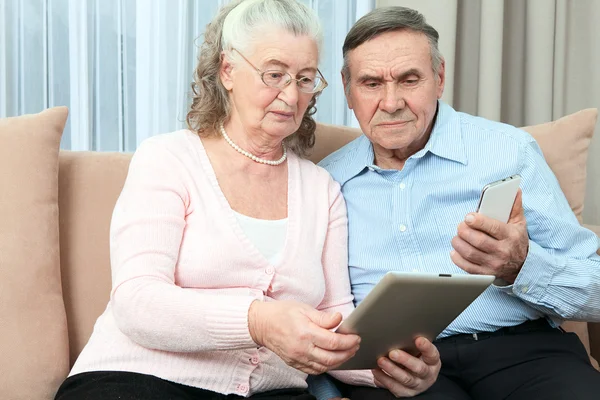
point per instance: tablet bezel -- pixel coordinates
(430, 301)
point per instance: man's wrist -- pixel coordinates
(512, 268)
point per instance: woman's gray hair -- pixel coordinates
(389, 19)
(239, 25)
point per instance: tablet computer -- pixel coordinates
(405, 305)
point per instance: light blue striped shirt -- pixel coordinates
(405, 221)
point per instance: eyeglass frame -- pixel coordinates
(262, 73)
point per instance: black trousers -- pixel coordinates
(527, 362)
(115, 385)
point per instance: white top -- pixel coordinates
(268, 236)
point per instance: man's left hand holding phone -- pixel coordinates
(486, 246)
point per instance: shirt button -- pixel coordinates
(402, 228)
(243, 388)
(402, 186)
(524, 289)
(269, 271)
(254, 360)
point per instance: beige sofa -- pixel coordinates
(55, 211)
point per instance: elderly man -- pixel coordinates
(411, 183)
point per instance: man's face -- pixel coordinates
(393, 89)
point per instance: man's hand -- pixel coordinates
(300, 335)
(405, 375)
(486, 246)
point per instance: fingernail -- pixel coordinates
(452, 252)
(469, 219)
(394, 355)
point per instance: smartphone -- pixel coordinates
(497, 198)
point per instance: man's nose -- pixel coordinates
(393, 99)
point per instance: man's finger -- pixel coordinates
(469, 252)
(468, 266)
(478, 239)
(517, 214)
(401, 384)
(491, 226)
(429, 353)
(414, 365)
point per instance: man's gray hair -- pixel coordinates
(389, 19)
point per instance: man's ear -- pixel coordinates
(441, 79)
(225, 72)
(346, 83)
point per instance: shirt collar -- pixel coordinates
(360, 157)
(445, 141)
(446, 137)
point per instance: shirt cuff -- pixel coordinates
(322, 387)
(536, 274)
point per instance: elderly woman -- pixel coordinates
(228, 250)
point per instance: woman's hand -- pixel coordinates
(300, 335)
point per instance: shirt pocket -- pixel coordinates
(447, 228)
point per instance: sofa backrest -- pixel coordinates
(89, 185)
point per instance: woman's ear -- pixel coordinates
(225, 72)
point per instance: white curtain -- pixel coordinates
(124, 67)
(522, 62)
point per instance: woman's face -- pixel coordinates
(262, 109)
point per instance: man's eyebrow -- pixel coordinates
(276, 62)
(368, 77)
(406, 74)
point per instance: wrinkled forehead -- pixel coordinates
(392, 50)
(282, 49)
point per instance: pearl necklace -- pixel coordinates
(250, 155)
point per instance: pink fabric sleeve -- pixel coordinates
(146, 234)
(338, 295)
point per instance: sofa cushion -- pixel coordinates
(329, 138)
(33, 327)
(565, 144)
(89, 184)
